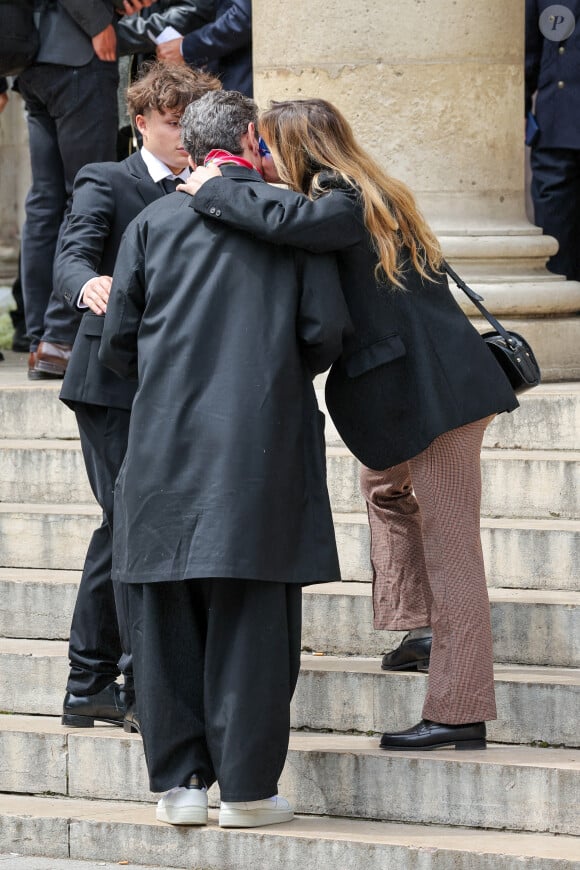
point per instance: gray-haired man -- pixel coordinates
(221, 507)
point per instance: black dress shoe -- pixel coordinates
(131, 722)
(411, 652)
(108, 705)
(433, 735)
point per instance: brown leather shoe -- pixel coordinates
(52, 359)
(32, 374)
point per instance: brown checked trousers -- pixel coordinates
(428, 569)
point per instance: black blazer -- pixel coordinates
(225, 45)
(67, 27)
(106, 198)
(415, 367)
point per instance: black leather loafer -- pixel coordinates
(108, 705)
(410, 653)
(433, 735)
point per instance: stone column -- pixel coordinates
(434, 90)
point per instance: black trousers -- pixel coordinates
(72, 120)
(100, 645)
(215, 665)
(556, 195)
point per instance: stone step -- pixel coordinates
(112, 831)
(527, 554)
(105, 830)
(32, 409)
(529, 626)
(43, 470)
(548, 418)
(535, 704)
(519, 553)
(50, 536)
(507, 787)
(515, 483)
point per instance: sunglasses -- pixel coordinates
(263, 148)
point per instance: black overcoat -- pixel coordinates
(415, 366)
(106, 198)
(224, 474)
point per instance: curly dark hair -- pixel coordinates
(166, 87)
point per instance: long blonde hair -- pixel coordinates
(307, 137)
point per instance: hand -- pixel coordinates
(170, 51)
(105, 44)
(132, 6)
(96, 293)
(198, 177)
(3, 101)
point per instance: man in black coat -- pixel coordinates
(107, 196)
(221, 506)
(553, 75)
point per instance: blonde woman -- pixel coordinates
(411, 396)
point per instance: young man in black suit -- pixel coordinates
(107, 196)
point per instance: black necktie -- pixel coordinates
(169, 184)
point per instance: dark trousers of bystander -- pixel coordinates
(556, 196)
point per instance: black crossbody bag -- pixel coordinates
(510, 349)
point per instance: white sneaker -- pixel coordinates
(183, 806)
(254, 814)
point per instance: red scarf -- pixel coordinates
(218, 157)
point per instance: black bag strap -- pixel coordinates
(477, 301)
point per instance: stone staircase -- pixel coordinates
(83, 793)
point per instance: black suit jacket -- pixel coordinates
(415, 367)
(106, 198)
(67, 27)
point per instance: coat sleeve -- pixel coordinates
(229, 31)
(92, 16)
(184, 16)
(323, 319)
(329, 223)
(534, 45)
(118, 350)
(86, 229)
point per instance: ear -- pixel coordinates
(192, 163)
(141, 123)
(253, 139)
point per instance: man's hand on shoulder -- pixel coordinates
(96, 292)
